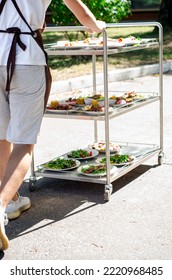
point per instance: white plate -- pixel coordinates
(110, 45)
(115, 45)
(114, 145)
(116, 164)
(144, 40)
(61, 46)
(96, 113)
(61, 111)
(113, 169)
(131, 42)
(60, 170)
(92, 113)
(124, 105)
(68, 47)
(94, 154)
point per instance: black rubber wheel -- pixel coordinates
(160, 160)
(32, 185)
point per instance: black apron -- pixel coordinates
(36, 34)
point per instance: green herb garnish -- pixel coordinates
(117, 159)
(60, 163)
(79, 154)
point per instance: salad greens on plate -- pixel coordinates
(118, 159)
(61, 164)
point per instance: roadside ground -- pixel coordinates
(70, 221)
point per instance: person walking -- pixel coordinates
(25, 83)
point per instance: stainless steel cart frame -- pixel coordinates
(148, 150)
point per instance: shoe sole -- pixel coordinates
(4, 242)
(17, 213)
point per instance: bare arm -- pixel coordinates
(84, 15)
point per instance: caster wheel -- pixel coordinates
(32, 185)
(107, 192)
(107, 195)
(160, 160)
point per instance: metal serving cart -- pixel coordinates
(142, 152)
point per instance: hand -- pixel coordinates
(100, 25)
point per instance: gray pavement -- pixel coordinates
(70, 220)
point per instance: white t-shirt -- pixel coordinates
(34, 13)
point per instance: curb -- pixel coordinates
(113, 76)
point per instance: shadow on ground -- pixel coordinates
(54, 200)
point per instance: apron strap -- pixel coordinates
(35, 34)
(12, 54)
(23, 18)
(2, 4)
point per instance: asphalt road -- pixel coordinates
(70, 220)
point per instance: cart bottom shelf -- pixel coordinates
(142, 153)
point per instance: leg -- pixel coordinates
(18, 203)
(16, 169)
(20, 122)
(5, 150)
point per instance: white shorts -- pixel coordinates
(20, 119)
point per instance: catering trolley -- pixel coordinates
(141, 152)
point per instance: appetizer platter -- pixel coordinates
(130, 41)
(128, 98)
(83, 154)
(60, 164)
(101, 147)
(66, 44)
(95, 170)
(118, 159)
(95, 111)
(56, 107)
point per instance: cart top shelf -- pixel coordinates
(97, 46)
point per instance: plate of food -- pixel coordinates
(95, 110)
(64, 111)
(58, 108)
(117, 159)
(72, 45)
(95, 170)
(101, 147)
(69, 101)
(110, 45)
(60, 164)
(83, 154)
(129, 41)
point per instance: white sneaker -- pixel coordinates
(4, 242)
(15, 208)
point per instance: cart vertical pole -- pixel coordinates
(161, 85)
(94, 90)
(32, 178)
(94, 72)
(105, 60)
(32, 167)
